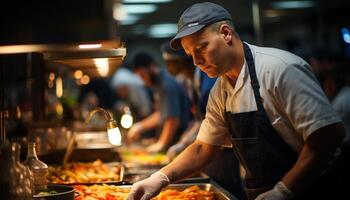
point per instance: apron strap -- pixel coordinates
(253, 77)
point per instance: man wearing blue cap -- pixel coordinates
(267, 105)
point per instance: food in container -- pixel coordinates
(173, 192)
(79, 173)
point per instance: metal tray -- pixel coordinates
(113, 164)
(130, 178)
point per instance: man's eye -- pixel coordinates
(202, 48)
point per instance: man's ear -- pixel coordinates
(226, 32)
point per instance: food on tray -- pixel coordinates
(142, 157)
(111, 192)
(101, 192)
(77, 172)
(191, 193)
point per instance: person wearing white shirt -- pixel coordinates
(266, 104)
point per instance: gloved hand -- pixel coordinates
(148, 188)
(279, 192)
(134, 133)
(174, 150)
(156, 147)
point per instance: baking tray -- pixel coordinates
(110, 165)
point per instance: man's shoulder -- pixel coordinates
(274, 55)
(276, 60)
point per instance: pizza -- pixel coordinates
(78, 172)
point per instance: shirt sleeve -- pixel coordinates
(214, 129)
(303, 100)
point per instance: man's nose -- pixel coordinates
(198, 60)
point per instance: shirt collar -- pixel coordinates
(242, 78)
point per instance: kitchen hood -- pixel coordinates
(79, 34)
(56, 21)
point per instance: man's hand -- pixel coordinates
(134, 133)
(174, 150)
(148, 188)
(279, 192)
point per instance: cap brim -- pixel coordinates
(175, 42)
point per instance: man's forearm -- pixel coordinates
(190, 161)
(317, 152)
(151, 121)
(169, 129)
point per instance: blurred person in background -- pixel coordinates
(224, 168)
(130, 89)
(337, 88)
(180, 66)
(321, 62)
(172, 105)
(97, 93)
(267, 105)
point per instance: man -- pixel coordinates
(267, 104)
(223, 168)
(172, 105)
(130, 88)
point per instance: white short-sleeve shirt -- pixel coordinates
(292, 98)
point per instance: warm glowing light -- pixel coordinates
(90, 46)
(51, 76)
(114, 136)
(59, 109)
(102, 66)
(78, 74)
(59, 87)
(85, 80)
(126, 120)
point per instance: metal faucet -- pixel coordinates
(111, 123)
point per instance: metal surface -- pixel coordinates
(131, 178)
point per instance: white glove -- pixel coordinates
(279, 192)
(148, 188)
(174, 150)
(156, 147)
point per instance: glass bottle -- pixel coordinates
(38, 169)
(15, 178)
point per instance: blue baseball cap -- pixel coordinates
(195, 18)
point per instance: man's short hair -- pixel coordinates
(142, 59)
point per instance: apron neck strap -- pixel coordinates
(254, 80)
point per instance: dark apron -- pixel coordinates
(265, 156)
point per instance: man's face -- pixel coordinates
(144, 74)
(173, 67)
(209, 50)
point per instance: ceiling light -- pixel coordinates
(140, 8)
(147, 1)
(90, 46)
(119, 13)
(162, 30)
(130, 19)
(293, 4)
